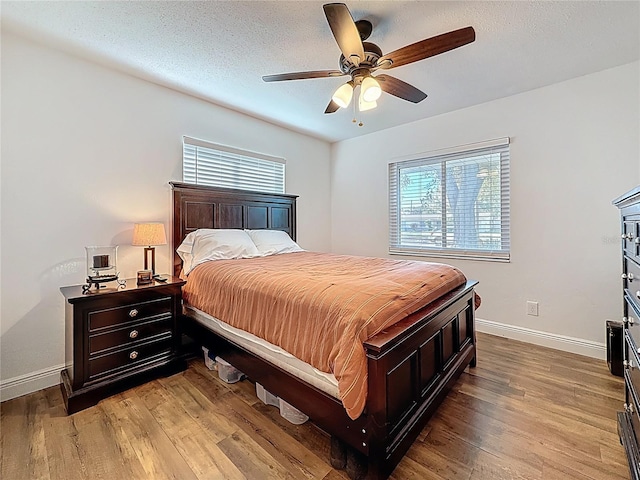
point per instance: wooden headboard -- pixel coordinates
(197, 206)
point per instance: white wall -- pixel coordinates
(87, 152)
(575, 147)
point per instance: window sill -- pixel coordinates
(481, 256)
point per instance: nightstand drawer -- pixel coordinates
(128, 358)
(129, 313)
(134, 333)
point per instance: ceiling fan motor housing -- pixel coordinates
(372, 53)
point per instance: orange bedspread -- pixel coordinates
(319, 307)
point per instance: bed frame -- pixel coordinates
(411, 365)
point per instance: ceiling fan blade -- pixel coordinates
(400, 89)
(332, 107)
(427, 48)
(302, 75)
(345, 31)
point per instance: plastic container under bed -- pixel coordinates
(287, 411)
(227, 372)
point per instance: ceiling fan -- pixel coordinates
(361, 59)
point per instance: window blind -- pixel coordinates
(452, 203)
(205, 163)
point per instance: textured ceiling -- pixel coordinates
(219, 50)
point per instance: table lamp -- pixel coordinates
(147, 235)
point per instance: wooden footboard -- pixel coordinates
(411, 366)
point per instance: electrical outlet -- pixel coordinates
(532, 308)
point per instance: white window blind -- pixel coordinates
(452, 203)
(205, 163)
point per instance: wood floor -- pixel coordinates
(525, 412)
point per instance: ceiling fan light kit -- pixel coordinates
(361, 59)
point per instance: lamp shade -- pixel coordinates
(363, 105)
(371, 90)
(147, 234)
(343, 95)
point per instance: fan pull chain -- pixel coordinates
(354, 110)
(355, 120)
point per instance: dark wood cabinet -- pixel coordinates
(628, 420)
(118, 337)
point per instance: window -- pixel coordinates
(452, 203)
(205, 163)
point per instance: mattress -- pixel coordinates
(267, 351)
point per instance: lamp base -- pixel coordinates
(153, 259)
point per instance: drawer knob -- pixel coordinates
(133, 355)
(628, 364)
(630, 320)
(637, 240)
(630, 276)
(628, 407)
(133, 333)
(623, 276)
(133, 313)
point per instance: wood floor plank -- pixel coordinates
(563, 432)
(251, 459)
(154, 449)
(479, 460)
(409, 469)
(61, 440)
(282, 447)
(24, 419)
(307, 434)
(525, 412)
(97, 447)
(194, 442)
(199, 407)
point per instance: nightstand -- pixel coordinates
(117, 338)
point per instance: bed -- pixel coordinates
(411, 364)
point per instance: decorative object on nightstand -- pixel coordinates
(117, 338)
(145, 277)
(148, 235)
(101, 268)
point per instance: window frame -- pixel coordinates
(441, 157)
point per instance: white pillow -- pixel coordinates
(217, 244)
(273, 242)
(184, 251)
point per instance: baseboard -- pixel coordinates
(30, 382)
(545, 339)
